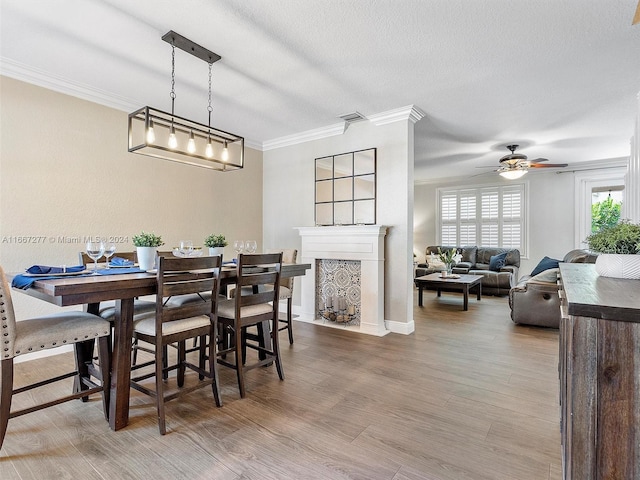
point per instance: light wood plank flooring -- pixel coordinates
(469, 395)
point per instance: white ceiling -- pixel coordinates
(560, 78)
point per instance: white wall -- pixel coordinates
(65, 172)
(289, 200)
(551, 214)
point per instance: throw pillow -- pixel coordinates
(545, 264)
(548, 276)
(496, 262)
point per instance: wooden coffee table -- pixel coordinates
(450, 284)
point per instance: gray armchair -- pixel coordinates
(534, 300)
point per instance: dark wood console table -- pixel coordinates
(599, 375)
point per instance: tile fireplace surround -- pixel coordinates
(359, 243)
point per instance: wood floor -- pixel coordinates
(469, 395)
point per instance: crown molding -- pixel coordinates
(41, 78)
(410, 112)
(307, 136)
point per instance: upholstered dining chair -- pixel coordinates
(257, 306)
(289, 255)
(172, 323)
(51, 331)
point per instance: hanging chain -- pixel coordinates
(210, 108)
(173, 76)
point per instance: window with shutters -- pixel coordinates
(488, 216)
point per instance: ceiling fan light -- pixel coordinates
(513, 174)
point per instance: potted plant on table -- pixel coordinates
(449, 258)
(216, 244)
(147, 248)
(618, 248)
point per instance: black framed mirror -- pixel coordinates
(345, 188)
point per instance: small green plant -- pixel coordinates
(623, 237)
(147, 240)
(215, 241)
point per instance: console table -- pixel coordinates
(599, 375)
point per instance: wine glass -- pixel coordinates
(238, 246)
(186, 247)
(95, 250)
(109, 250)
(251, 246)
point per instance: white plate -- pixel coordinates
(64, 274)
(195, 253)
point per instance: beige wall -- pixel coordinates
(65, 172)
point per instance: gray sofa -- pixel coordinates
(475, 261)
(534, 300)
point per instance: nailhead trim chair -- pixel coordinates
(51, 331)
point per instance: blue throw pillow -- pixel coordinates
(496, 262)
(545, 264)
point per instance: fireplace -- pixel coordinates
(347, 269)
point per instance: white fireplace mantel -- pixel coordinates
(363, 243)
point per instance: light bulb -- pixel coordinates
(173, 141)
(209, 150)
(191, 145)
(151, 136)
(225, 153)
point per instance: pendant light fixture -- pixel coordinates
(170, 137)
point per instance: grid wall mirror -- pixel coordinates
(346, 188)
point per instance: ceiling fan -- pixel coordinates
(515, 165)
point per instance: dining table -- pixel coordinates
(123, 289)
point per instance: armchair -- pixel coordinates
(534, 300)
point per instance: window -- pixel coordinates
(492, 216)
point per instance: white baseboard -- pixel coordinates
(405, 328)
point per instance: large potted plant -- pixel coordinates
(147, 248)
(216, 244)
(618, 248)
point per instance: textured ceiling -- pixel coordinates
(560, 78)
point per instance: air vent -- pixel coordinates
(352, 117)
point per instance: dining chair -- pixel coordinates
(257, 306)
(289, 255)
(51, 331)
(171, 323)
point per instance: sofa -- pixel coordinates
(534, 300)
(477, 261)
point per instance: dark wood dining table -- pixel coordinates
(123, 288)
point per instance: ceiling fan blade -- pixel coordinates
(535, 160)
(548, 165)
(636, 17)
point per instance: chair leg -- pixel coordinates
(239, 360)
(165, 362)
(6, 392)
(213, 363)
(104, 357)
(182, 357)
(290, 319)
(83, 354)
(275, 345)
(159, 364)
(202, 353)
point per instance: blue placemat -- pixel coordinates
(24, 282)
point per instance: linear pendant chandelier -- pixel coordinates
(167, 136)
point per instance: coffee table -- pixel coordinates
(450, 284)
